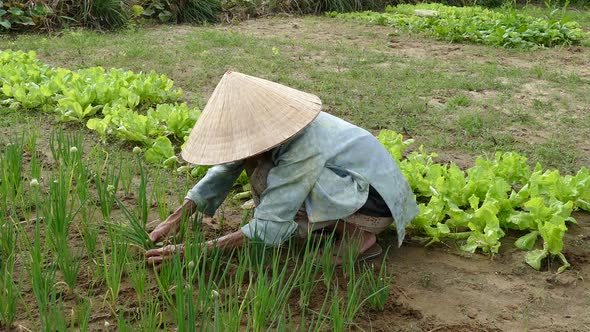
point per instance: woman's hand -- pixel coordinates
(171, 225)
(165, 228)
(157, 256)
(227, 242)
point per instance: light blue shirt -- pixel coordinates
(328, 167)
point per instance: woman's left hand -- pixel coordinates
(157, 256)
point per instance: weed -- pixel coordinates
(459, 100)
(133, 232)
(472, 123)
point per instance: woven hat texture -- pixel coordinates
(246, 116)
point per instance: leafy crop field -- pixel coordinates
(87, 161)
(505, 28)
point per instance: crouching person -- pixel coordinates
(300, 161)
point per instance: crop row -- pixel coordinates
(141, 108)
(500, 194)
(505, 28)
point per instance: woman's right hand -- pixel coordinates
(171, 225)
(164, 229)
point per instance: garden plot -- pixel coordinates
(436, 288)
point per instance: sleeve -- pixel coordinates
(288, 185)
(210, 192)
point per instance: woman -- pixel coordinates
(300, 161)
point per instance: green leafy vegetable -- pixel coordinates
(160, 151)
(479, 205)
(475, 24)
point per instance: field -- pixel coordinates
(458, 100)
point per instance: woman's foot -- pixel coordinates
(352, 241)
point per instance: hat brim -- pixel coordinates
(246, 116)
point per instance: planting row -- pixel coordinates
(479, 205)
(139, 108)
(505, 28)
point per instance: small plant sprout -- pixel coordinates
(66, 148)
(127, 172)
(216, 316)
(137, 271)
(113, 266)
(83, 312)
(150, 315)
(42, 278)
(107, 182)
(89, 236)
(327, 263)
(349, 258)
(69, 265)
(354, 296)
(158, 195)
(308, 271)
(377, 287)
(143, 205)
(10, 287)
(11, 180)
(336, 314)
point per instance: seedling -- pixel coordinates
(133, 232)
(107, 182)
(10, 286)
(377, 286)
(83, 313)
(113, 266)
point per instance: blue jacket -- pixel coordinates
(328, 167)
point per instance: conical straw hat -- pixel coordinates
(246, 116)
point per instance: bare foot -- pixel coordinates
(352, 241)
